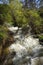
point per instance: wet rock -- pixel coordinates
(13, 29)
(35, 61)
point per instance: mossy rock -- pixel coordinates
(6, 51)
(40, 37)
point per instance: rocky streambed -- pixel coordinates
(25, 50)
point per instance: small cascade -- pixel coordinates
(25, 48)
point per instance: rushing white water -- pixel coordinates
(37, 61)
(24, 47)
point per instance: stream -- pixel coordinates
(26, 50)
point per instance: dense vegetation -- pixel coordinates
(16, 14)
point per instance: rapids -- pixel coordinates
(26, 50)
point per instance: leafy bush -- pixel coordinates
(5, 14)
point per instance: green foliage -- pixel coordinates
(3, 34)
(18, 13)
(15, 13)
(2, 29)
(41, 37)
(35, 21)
(5, 13)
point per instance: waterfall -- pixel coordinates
(24, 49)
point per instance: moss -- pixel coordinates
(41, 37)
(6, 51)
